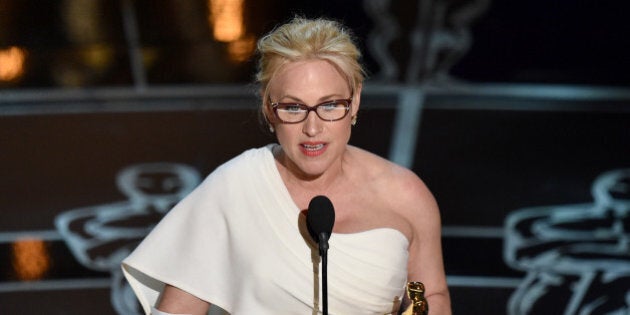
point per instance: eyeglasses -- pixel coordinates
(293, 113)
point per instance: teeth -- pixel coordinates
(313, 147)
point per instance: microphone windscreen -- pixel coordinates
(320, 217)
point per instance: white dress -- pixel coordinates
(238, 241)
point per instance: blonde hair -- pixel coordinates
(305, 39)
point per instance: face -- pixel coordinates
(312, 147)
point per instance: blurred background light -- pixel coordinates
(226, 19)
(240, 50)
(31, 259)
(12, 62)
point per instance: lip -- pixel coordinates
(312, 149)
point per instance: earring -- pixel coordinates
(354, 120)
(271, 129)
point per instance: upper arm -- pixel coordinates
(177, 301)
(425, 248)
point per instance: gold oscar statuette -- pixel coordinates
(415, 293)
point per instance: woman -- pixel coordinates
(238, 240)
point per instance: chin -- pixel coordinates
(310, 170)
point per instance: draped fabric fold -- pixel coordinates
(239, 241)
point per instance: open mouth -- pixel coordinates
(313, 147)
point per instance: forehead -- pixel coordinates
(305, 78)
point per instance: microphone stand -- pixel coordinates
(320, 220)
(323, 252)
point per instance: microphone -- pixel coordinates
(320, 219)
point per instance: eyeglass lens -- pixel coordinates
(329, 111)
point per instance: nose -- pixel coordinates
(312, 125)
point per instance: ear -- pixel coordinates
(266, 108)
(356, 99)
(268, 120)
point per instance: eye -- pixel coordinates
(295, 108)
(331, 106)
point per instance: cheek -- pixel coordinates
(343, 131)
(286, 133)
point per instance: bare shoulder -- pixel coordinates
(402, 190)
(399, 182)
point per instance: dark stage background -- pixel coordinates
(515, 113)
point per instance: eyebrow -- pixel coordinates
(296, 99)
